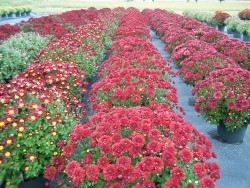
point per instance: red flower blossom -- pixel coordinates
(123, 162)
(207, 183)
(199, 170)
(185, 155)
(172, 184)
(9, 140)
(110, 172)
(50, 173)
(92, 172)
(88, 158)
(68, 150)
(57, 161)
(103, 162)
(32, 157)
(149, 184)
(10, 111)
(177, 174)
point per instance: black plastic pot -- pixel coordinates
(235, 137)
(33, 183)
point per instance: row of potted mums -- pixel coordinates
(10, 12)
(134, 139)
(236, 26)
(215, 65)
(42, 104)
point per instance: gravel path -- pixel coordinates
(233, 159)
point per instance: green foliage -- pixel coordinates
(232, 23)
(244, 27)
(17, 52)
(38, 138)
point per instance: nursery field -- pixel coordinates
(124, 98)
(57, 6)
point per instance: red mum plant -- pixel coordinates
(136, 147)
(136, 59)
(236, 50)
(188, 49)
(228, 99)
(213, 36)
(29, 136)
(7, 30)
(219, 18)
(132, 87)
(85, 48)
(130, 44)
(63, 79)
(176, 37)
(199, 65)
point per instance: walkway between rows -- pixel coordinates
(233, 159)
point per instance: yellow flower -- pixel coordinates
(1, 148)
(9, 142)
(7, 154)
(55, 153)
(14, 124)
(26, 168)
(20, 134)
(2, 124)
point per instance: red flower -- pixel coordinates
(32, 157)
(199, 170)
(147, 164)
(72, 165)
(177, 174)
(116, 185)
(217, 95)
(88, 158)
(207, 183)
(110, 172)
(148, 184)
(57, 161)
(117, 150)
(168, 156)
(136, 99)
(78, 175)
(68, 150)
(172, 184)
(185, 155)
(154, 134)
(9, 140)
(159, 165)
(50, 173)
(154, 147)
(123, 162)
(92, 172)
(102, 162)
(10, 111)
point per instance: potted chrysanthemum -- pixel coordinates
(135, 147)
(223, 99)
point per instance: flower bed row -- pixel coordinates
(54, 25)
(212, 62)
(135, 139)
(42, 104)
